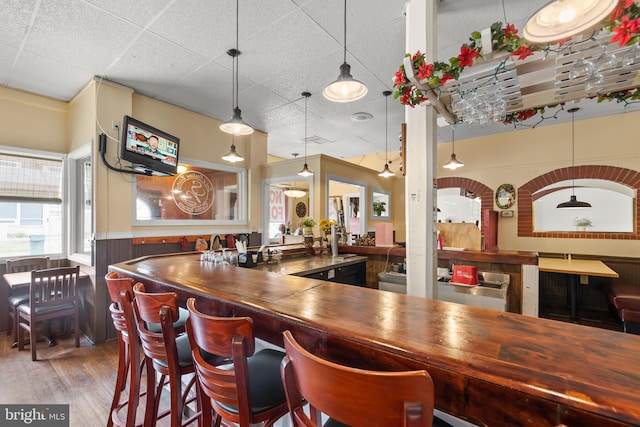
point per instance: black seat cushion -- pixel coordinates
(26, 308)
(184, 353)
(183, 314)
(17, 299)
(266, 388)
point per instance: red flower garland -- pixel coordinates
(623, 22)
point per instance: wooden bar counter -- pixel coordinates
(489, 367)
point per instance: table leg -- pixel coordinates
(573, 291)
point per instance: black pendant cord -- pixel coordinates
(345, 30)
(305, 129)
(237, 64)
(386, 130)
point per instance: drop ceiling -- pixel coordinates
(175, 51)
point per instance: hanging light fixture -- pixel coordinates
(235, 125)
(573, 202)
(453, 163)
(233, 156)
(345, 88)
(560, 20)
(295, 192)
(305, 170)
(386, 172)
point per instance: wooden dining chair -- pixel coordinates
(53, 294)
(246, 391)
(353, 397)
(21, 296)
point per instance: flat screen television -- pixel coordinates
(151, 149)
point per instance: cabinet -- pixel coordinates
(353, 274)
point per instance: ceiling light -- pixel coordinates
(573, 202)
(235, 125)
(561, 20)
(345, 88)
(386, 173)
(233, 156)
(453, 163)
(305, 170)
(295, 192)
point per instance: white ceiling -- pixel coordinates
(175, 51)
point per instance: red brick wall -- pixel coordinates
(627, 177)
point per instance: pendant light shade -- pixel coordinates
(573, 202)
(345, 88)
(453, 162)
(295, 193)
(386, 172)
(305, 170)
(235, 125)
(560, 20)
(233, 156)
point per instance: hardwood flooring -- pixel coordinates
(81, 377)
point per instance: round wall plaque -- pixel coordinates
(505, 196)
(301, 209)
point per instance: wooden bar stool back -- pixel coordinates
(129, 363)
(53, 293)
(246, 391)
(166, 353)
(21, 296)
(353, 397)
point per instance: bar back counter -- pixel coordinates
(488, 367)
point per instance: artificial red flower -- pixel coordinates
(467, 55)
(525, 114)
(400, 79)
(620, 9)
(627, 29)
(522, 52)
(424, 71)
(417, 56)
(445, 78)
(510, 31)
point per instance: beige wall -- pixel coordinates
(32, 121)
(519, 156)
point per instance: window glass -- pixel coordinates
(31, 216)
(203, 192)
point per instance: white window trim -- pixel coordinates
(72, 203)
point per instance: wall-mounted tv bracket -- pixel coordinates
(102, 146)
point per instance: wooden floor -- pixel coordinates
(81, 377)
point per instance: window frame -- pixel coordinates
(75, 206)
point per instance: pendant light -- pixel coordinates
(345, 88)
(453, 163)
(560, 20)
(305, 170)
(235, 125)
(295, 192)
(386, 173)
(233, 156)
(573, 202)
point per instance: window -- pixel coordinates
(81, 223)
(208, 193)
(31, 200)
(381, 208)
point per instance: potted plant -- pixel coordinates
(582, 223)
(307, 226)
(378, 208)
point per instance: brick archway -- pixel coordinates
(485, 193)
(626, 177)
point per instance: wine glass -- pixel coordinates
(595, 84)
(632, 56)
(607, 61)
(581, 68)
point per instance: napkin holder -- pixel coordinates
(246, 259)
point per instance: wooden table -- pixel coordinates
(489, 367)
(575, 268)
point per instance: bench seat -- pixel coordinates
(625, 297)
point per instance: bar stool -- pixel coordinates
(247, 391)
(166, 353)
(129, 363)
(354, 397)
